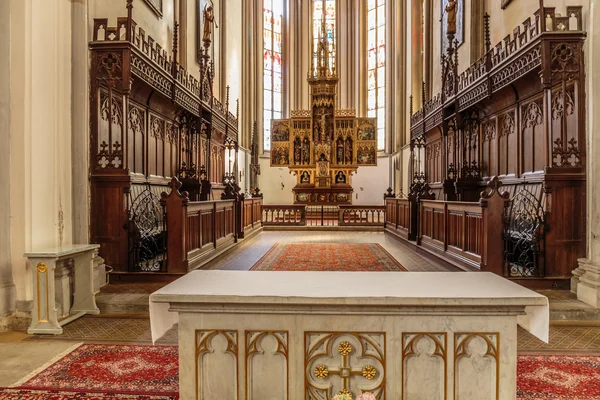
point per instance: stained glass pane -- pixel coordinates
(371, 101)
(268, 40)
(372, 80)
(380, 76)
(324, 8)
(272, 79)
(372, 19)
(376, 66)
(372, 59)
(277, 82)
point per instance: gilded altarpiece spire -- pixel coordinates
(323, 146)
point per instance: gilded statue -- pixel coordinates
(209, 20)
(451, 10)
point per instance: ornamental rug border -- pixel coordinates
(353, 257)
(47, 394)
(112, 369)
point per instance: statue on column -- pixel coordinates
(451, 9)
(209, 20)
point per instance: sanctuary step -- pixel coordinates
(126, 298)
(132, 298)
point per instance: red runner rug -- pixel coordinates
(327, 257)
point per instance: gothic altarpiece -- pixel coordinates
(323, 146)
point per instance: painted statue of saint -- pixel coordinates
(209, 19)
(451, 10)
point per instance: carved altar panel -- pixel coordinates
(366, 137)
(424, 356)
(476, 354)
(267, 363)
(280, 143)
(344, 362)
(216, 364)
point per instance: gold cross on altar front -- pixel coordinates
(345, 371)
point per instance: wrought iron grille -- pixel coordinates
(147, 233)
(524, 236)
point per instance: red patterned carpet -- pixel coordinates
(327, 257)
(558, 377)
(102, 372)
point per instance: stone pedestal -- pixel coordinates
(588, 288)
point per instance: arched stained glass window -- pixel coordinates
(272, 61)
(376, 66)
(326, 7)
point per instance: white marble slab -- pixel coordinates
(61, 251)
(357, 289)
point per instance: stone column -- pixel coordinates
(41, 155)
(7, 286)
(586, 278)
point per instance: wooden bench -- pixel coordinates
(44, 262)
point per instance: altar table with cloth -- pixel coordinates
(264, 335)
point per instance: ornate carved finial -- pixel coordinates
(257, 193)
(175, 47)
(494, 186)
(486, 28)
(129, 19)
(175, 184)
(389, 193)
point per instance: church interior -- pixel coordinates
(287, 199)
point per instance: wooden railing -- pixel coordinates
(453, 228)
(398, 216)
(283, 215)
(464, 233)
(323, 215)
(209, 226)
(201, 230)
(250, 215)
(362, 215)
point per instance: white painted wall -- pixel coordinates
(270, 183)
(370, 183)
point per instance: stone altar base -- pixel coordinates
(303, 335)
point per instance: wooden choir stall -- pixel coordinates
(153, 122)
(498, 157)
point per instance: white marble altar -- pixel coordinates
(309, 335)
(49, 280)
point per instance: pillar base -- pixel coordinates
(8, 298)
(588, 287)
